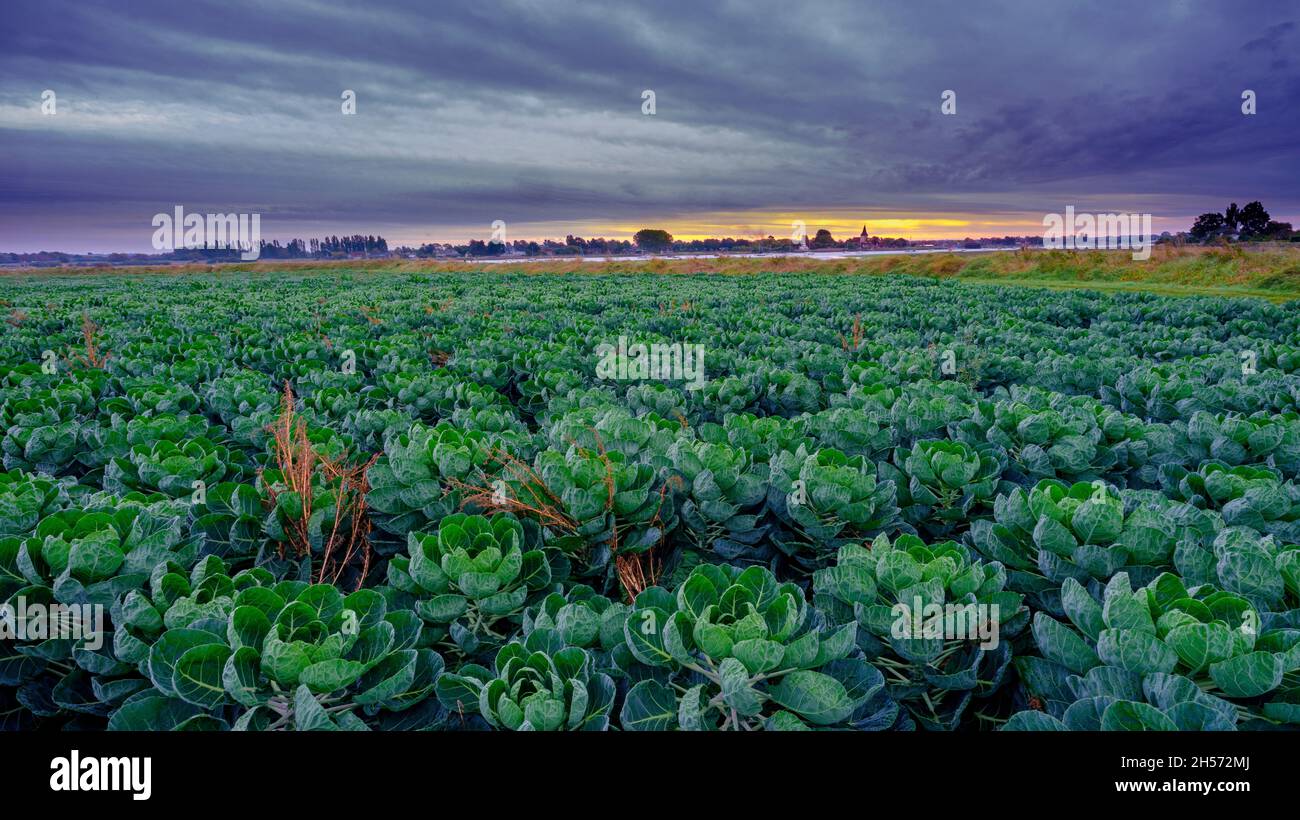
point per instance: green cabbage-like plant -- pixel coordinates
(471, 578)
(239, 393)
(537, 684)
(612, 504)
(761, 437)
(1082, 531)
(173, 469)
(40, 434)
(1156, 393)
(723, 397)
(1041, 442)
(484, 370)
(1246, 496)
(499, 422)
(826, 498)
(1260, 438)
(537, 391)
(101, 443)
(245, 652)
(149, 396)
(94, 555)
(943, 485)
(937, 623)
(598, 428)
(369, 429)
(25, 499)
(411, 484)
(735, 649)
(1241, 561)
(230, 518)
(1161, 657)
(437, 394)
(581, 617)
(724, 497)
(576, 399)
(78, 561)
(660, 399)
(922, 410)
(175, 596)
(785, 393)
(852, 431)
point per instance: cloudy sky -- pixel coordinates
(531, 112)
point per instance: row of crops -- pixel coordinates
(392, 501)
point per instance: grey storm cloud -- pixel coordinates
(531, 112)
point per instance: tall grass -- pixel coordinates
(1272, 270)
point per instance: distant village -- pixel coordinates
(1251, 223)
(645, 242)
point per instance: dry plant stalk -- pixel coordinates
(540, 503)
(855, 343)
(636, 571)
(92, 357)
(298, 462)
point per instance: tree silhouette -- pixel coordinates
(1232, 218)
(823, 239)
(1207, 225)
(653, 239)
(1254, 219)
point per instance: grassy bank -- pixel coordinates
(1271, 272)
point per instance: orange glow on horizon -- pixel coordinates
(843, 224)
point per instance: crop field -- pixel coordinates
(521, 499)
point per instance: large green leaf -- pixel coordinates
(197, 676)
(649, 706)
(817, 697)
(1249, 675)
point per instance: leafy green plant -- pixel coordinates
(173, 469)
(1160, 657)
(1042, 442)
(1261, 438)
(734, 649)
(409, 484)
(40, 435)
(537, 684)
(942, 485)
(249, 653)
(94, 555)
(935, 622)
(1249, 496)
(613, 511)
(1084, 532)
(826, 498)
(724, 497)
(471, 578)
(230, 517)
(25, 499)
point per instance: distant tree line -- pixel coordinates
(326, 247)
(1249, 223)
(657, 240)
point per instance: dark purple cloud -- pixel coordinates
(531, 112)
